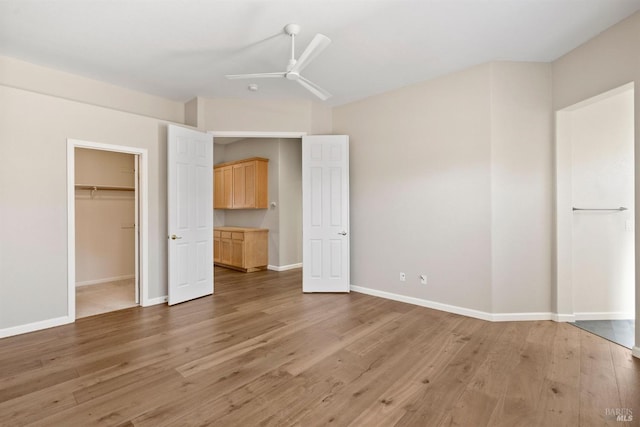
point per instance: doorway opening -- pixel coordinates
(107, 227)
(595, 215)
(311, 208)
(282, 216)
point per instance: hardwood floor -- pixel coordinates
(262, 353)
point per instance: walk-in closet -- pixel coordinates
(105, 229)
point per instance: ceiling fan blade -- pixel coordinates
(255, 76)
(314, 89)
(317, 45)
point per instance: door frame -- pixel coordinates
(564, 293)
(143, 220)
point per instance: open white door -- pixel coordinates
(325, 213)
(190, 214)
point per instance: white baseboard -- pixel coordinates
(284, 267)
(477, 314)
(605, 315)
(557, 317)
(519, 317)
(423, 303)
(35, 326)
(105, 280)
(635, 351)
(154, 301)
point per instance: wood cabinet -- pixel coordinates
(242, 184)
(241, 248)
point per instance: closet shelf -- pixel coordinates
(103, 187)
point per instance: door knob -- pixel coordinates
(174, 237)
(343, 233)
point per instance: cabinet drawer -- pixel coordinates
(237, 236)
(225, 234)
(216, 234)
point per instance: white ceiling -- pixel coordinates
(180, 49)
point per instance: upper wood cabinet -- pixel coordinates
(242, 184)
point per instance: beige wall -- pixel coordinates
(452, 178)
(521, 187)
(23, 75)
(285, 115)
(420, 184)
(105, 234)
(33, 216)
(606, 62)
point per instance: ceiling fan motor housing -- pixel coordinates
(292, 29)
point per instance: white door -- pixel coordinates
(190, 214)
(325, 213)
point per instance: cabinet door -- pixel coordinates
(225, 251)
(227, 187)
(218, 189)
(237, 253)
(244, 185)
(223, 178)
(238, 186)
(250, 185)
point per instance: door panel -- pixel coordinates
(190, 214)
(325, 183)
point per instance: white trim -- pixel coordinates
(255, 134)
(477, 314)
(71, 231)
(600, 97)
(423, 303)
(607, 315)
(143, 219)
(105, 280)
(556, 317)
(35, 326)
(518, 317)
(284, 267)
(156, 301)
(635, 351)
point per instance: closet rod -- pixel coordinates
(103, 187)
(600, 209)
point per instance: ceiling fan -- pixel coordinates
(317, 45)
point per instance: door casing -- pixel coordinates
(143, 227)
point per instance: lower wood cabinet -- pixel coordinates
(241, 248)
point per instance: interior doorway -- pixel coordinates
(595, 216)
(107, 227)
(105, 205)
(283, 215)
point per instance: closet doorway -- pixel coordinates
(596, 214)
(105, 241)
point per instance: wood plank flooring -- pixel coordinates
(262, 353)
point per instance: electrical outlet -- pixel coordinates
(403, 277)
(423, 279)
